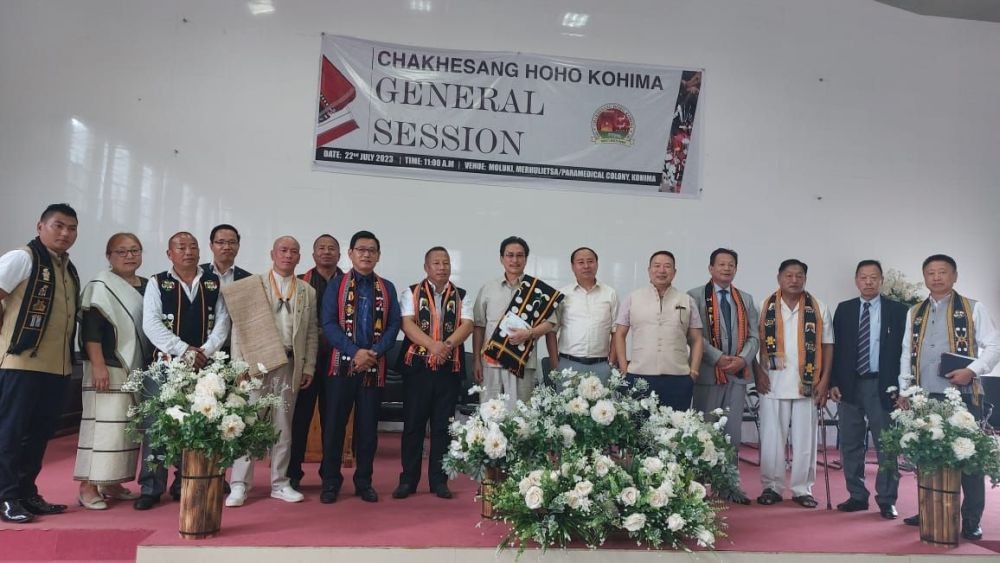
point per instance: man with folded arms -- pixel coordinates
(796, 333)
(437, 318)
(947, 322)
(730, 342)
(586, 320)
(292, 304)
(666, 335)
(183, 315)
(361, 320)
(39, 291)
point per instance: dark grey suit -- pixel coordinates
(731, 396)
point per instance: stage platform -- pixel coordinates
(424, 528)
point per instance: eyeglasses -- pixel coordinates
(361, 250)
(122, 253)
(226, 242)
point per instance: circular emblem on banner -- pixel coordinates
(613, 123)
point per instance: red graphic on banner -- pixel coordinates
(335, 93)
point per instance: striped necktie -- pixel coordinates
(864, 337)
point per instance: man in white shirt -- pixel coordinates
(796, 334)
(938, 325)
(586, 320)
(183, 314)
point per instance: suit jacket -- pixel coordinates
(238, 273)
(305, 329)
(845, 348)
(710, 355)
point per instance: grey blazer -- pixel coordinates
(711, 354)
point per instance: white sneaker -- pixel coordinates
(237, 495)
(288, 494)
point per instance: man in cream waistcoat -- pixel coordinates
(291, 304)
(666, 335)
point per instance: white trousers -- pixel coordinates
(775, 416)
(278, 382)
(497, 380)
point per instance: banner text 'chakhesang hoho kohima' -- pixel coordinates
(507, 118)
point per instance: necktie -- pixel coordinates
(864, 335)
(727, 313)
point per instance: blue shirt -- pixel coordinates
(364, 327)
(875, 329)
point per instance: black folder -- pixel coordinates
(950, 362)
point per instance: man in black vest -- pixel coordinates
(437, 318)
(869, 340)
(326, 255)
(225, 245)
(183, 315)
(38, 306)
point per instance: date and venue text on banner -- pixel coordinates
(507, 118)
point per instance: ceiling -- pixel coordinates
(981, 10)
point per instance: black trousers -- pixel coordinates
(305, 405)
(974, 485)
(674, 391)
(428, 396)
(343, 394)
(153, 482)
(30, 405)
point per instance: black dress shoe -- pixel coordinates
(328, 496)
(912, 520)
(402, 491)
(37, 506)
(13, 511)
(367, 494)
(852, 505)
(972, 533)
(294, 483)
(888, 511)
(441, 490)
(145, 502)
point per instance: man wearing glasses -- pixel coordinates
(225, 241)
(360, 318)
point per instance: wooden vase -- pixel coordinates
(491, 482)
(938, 498)
(202, 482)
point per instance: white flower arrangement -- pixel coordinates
(211, 409)
(584, 459)
(895, 286)
(936, 434)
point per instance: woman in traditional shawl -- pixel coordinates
(113, 343)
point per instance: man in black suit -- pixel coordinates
(869, 340)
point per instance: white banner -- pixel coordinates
(507, 118)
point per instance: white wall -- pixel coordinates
(834, 131)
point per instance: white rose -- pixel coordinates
(697, 489)
(495, 444)
(602, 465)
(934, 419)
(177, 413)
(603, 412)
(634, 522)
(573, 499)
(668, 488)
(652, 465)
(964, 448)
(210, 384)
(675, 522)
(591, 388)
(232, 426)
(905, 439)
(493, 410)
(964, 420)
(577, 405)
(534, 497)
(584, 488)
(568, 434)
(937, 433)
(677, 418)
(657, 498)
(206, 405)
(475, 435)
(629, 496)
(234, 400)
(705, 538)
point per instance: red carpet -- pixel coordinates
(423, 520)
